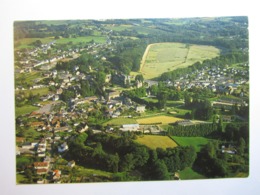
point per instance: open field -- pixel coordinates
(158, 119)
(25, 110)
(97, 39)
(162, 57)
(196, 142)
(188, 173)
(25, 42)
(120, 121)
(155, 141)
(40, 91)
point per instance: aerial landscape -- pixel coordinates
(147, 99)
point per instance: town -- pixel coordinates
(75, 101)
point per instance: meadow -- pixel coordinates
(162, 119)
(19, 111)
(196, 142)
(156, 141)
(120, 121)
(162, 57)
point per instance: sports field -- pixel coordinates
(162, 57)
(155, 141)
(162, 119)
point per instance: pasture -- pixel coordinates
(96, 39)
(156, 141)
(162, 119)
(19, 111)
(196, 142)
(189, 173)
(162, 57)
(120, 121)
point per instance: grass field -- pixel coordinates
(162, 57)
(120, 121)
(158, 119)
(154, 141)
(24, 110)
(196, 142)
(97, 39)
(188, 173)
(25, 43)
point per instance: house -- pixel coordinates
(82, 128)
(41, 171)
(40, 181)
(140, 108)
(63, 147)
(29, 146)
(71, 163)
(113, 94)
(229, 150)
(121, 79)
(41, 165)
(56, 174)
(56, 97)
(108, 78)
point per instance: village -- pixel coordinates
(70, 90)
(56, 122)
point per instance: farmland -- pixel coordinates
(120, 121)
(196, 142)
(118, 100)
(153, 141)
(162, 57)
(158, 119)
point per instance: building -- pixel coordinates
(130, 127)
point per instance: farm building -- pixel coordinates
(184, 123)
(130, 127)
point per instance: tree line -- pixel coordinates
(121, 154)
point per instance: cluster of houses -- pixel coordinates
(215, 79)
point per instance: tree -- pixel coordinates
(220, 126)
(159, 171)
(112, 162)
(128, 162)
(162, 97)
(241, 146)
(139, 77)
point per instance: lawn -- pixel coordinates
(81, 171)
(196, 142)
(162, 57)
(188, 173)
(162, 119)
(156, 141)
(120, 121)
(19, 111)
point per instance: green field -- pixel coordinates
(25, 42)
(162, 119)
(25, 110)
(196, 142)
(156, 141)
(120, 121)
(97, 39)
(162, 57)
(188, 173)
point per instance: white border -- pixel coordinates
(12, 10)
